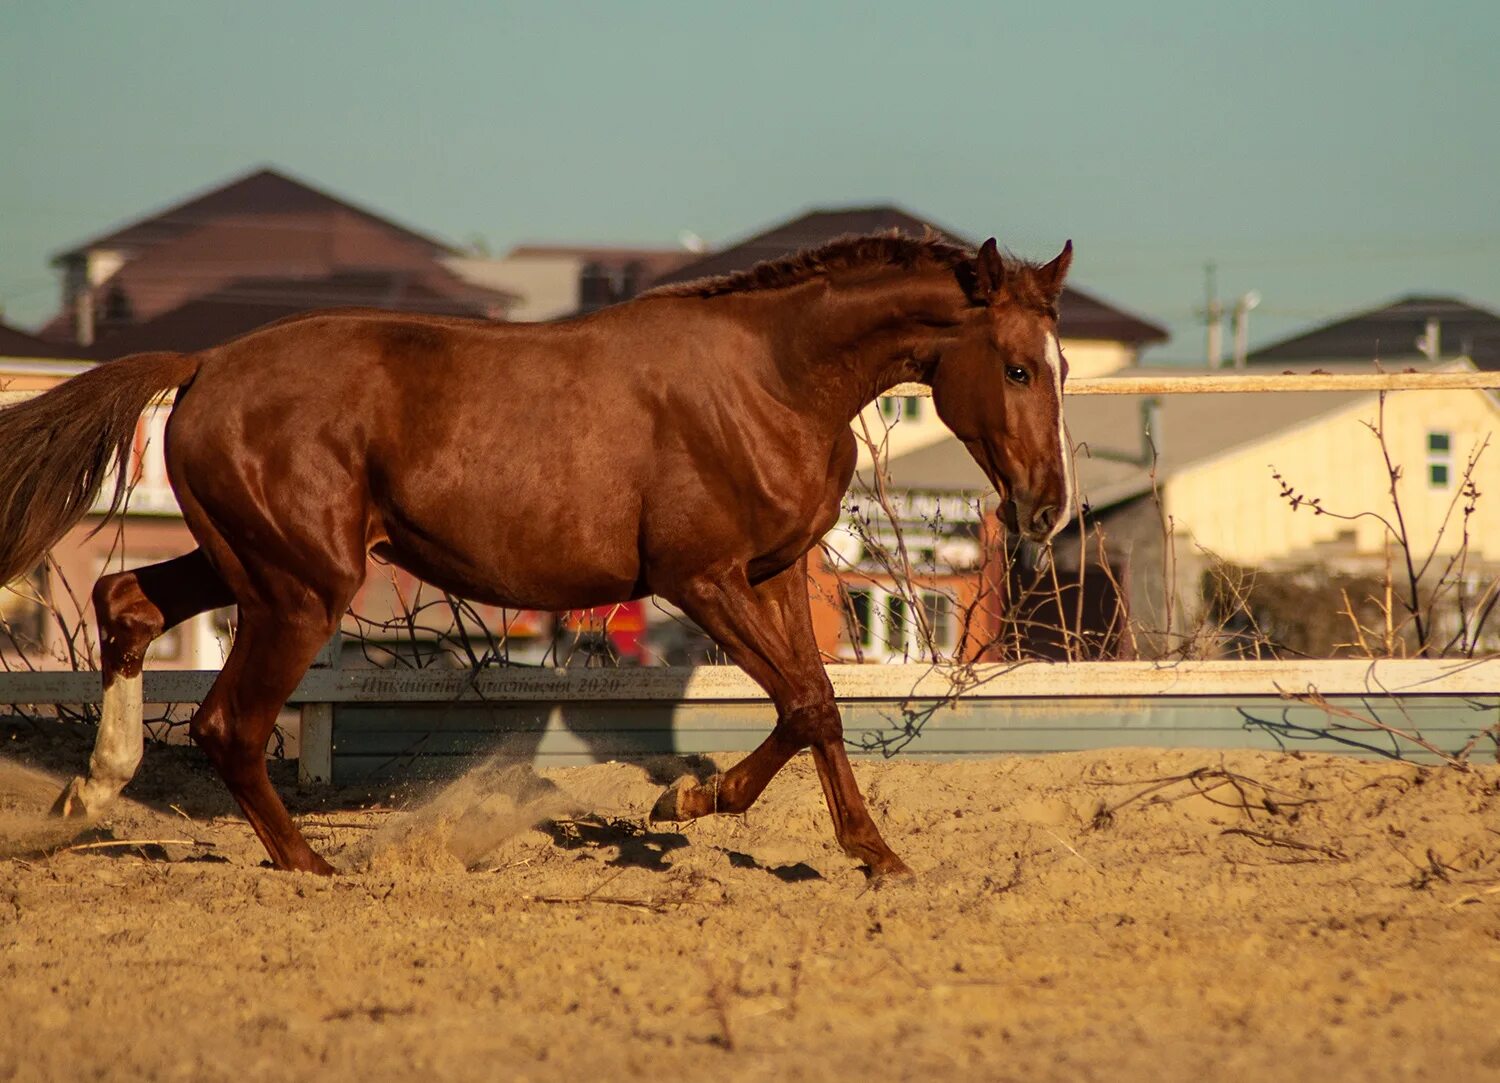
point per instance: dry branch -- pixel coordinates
(1261, 838)
(110, 844)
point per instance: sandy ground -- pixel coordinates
(1120, 915)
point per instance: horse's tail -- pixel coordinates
(56, 449)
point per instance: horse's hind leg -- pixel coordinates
(132, 609)
(767, 629)
(272, 650)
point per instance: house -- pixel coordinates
(553, 281)
(1408, 330)
(1198, 533)
(264, 243)
(1249, 494)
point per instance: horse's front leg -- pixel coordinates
(767, 630)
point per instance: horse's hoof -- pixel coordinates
(669, 807)
(308, 861)
(889, 869)
(687, 799)
(69, 804)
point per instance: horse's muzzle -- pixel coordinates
(1035, 523)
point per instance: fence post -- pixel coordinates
(315, 747)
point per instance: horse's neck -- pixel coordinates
(852, 347)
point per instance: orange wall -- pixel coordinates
(977, 592)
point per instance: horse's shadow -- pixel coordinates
(637, 846)
(176, 779)
(388, 743)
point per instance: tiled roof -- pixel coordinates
(260, 192)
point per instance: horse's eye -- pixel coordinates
(1017, 375)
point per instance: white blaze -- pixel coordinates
(1055, 363)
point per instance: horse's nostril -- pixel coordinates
(1045, 518)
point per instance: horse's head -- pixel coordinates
(999, 387)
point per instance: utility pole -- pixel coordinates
(1242, 308)
(1213, 315)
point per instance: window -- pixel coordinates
(885, 627)
(939, 611)
(860, 606)
(895, 623)
(1439, 459)
(894, 408)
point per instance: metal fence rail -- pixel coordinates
(361, 724)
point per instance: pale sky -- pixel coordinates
(1329, 155)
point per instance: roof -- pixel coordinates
(259, 192)
(1083, 316)
(15, 343)
(1390, 333)
(1109, 428)
(244, 305)
(807, 230)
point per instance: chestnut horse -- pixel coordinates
(692, 443)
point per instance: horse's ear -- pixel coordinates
(1050, 278)
(989, 274)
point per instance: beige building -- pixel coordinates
(1290, 492)
(554, 281)
(1186, 492)
(1232, 502)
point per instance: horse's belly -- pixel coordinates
(526, 558)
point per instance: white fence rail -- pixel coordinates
(1207, 383)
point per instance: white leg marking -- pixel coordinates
(117, 750)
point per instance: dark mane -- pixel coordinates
(838, 256)
(858, 252)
